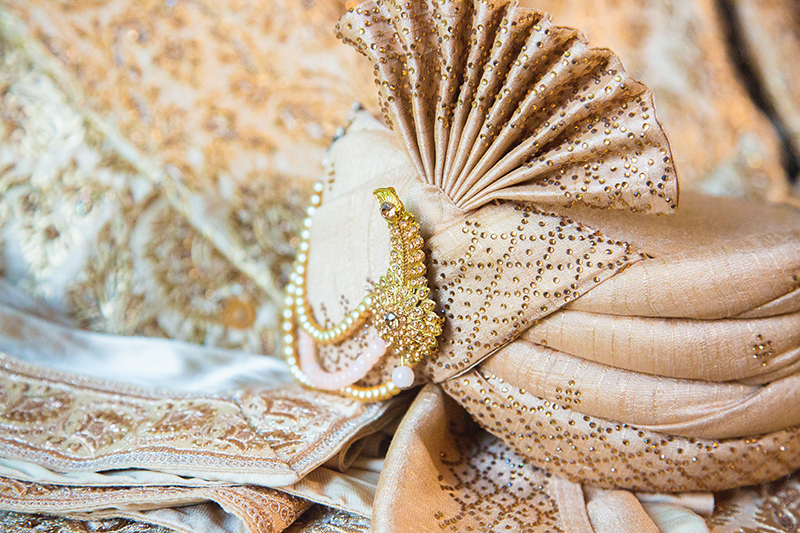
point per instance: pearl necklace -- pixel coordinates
(409, 326)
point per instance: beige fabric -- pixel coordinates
(672, 376)
(470, 172)
(207, 517)
(441, 474)
(671, 518)
(508, 100)
(352, 491)
(675, 328)
(691, 408)
(609, 453)
(725, 141)
(553, 145)
(618, 510)
(701, 503)
(271, 436)
(349, 246)
(710, 350)
(703, 368)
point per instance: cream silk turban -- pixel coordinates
(601, 330)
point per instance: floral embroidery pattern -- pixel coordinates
(96, 425)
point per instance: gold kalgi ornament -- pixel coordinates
(401, 311)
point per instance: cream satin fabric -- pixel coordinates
(41, 387)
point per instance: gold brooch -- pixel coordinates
(401, 312)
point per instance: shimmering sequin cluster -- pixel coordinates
(401, 312)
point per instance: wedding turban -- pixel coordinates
(599, 329)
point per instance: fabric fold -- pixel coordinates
(440, 473)
(614, 454)
(261, 510)
(709, 350)
(123, 410)
(526, 84)
(690, 408)
(541, 259)
(618, 510)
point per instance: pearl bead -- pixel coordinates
(403, 377)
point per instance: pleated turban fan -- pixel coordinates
(601, 331)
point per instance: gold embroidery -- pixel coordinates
(401, 311)
(194, 285)
(74, 221)
(36, 523)
(278, 113)
(725, 511)
(67, 423)
(779, 513)
(324, 520)
(544, 260)
(261, 509)
(769, 508)
(238, 314)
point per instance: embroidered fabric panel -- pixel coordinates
(36, 523)
(327, 520)
(260, 509)
(89, 228)
(769, 508)
(70, 423)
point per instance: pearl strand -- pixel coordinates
(296, 288)
(297, 311)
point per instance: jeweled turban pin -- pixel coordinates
(405, 317)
